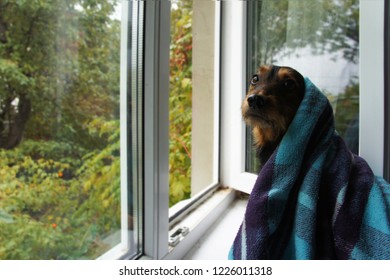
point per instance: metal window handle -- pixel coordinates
(174, 238)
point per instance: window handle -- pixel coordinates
(174, 238)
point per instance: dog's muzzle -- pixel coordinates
(255, 101)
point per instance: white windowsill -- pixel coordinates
(216, 242)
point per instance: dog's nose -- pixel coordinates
(255, 101)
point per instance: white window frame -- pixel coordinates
(156, 141)
(156, 125)
(201, 211)
(371, 130)
(372, 75)
(233, 86)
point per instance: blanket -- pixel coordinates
(313, 198)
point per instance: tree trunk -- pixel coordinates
(17, 123)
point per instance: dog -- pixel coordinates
(274, 95)
(314, 199)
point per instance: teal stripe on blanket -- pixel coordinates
(303, 252)
(377, 215)
(376, 227)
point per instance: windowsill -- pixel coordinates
(216, 243)
(212, 226)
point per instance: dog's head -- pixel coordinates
(272, 100)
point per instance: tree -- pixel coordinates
(326, 26)
(57, 67)
(59, 93)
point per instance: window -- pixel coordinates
(193, 99)
(61, 131)
(320, 39)
(181, 117)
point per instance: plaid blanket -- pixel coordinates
(314, 199)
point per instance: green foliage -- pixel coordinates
(51, 209)
(346, 105)
(180, 100)
(62, 56)
(59, 92)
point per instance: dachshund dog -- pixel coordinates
(273, 98)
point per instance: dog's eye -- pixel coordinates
(254, 80)
(289, 83)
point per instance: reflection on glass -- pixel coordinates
(59, 129)
(318, 38)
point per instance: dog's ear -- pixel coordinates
(290, 78)
(290, 84)
(264, 68)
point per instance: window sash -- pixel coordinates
(372, 83)
(233, 85)
(156, 113)
(131, 142)
(157, 221)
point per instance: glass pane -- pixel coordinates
(192, 130)
(132, 58)
(320, 39)
(59, 129)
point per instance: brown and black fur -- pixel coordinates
(272, 100)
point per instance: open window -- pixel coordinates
(181, 96)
